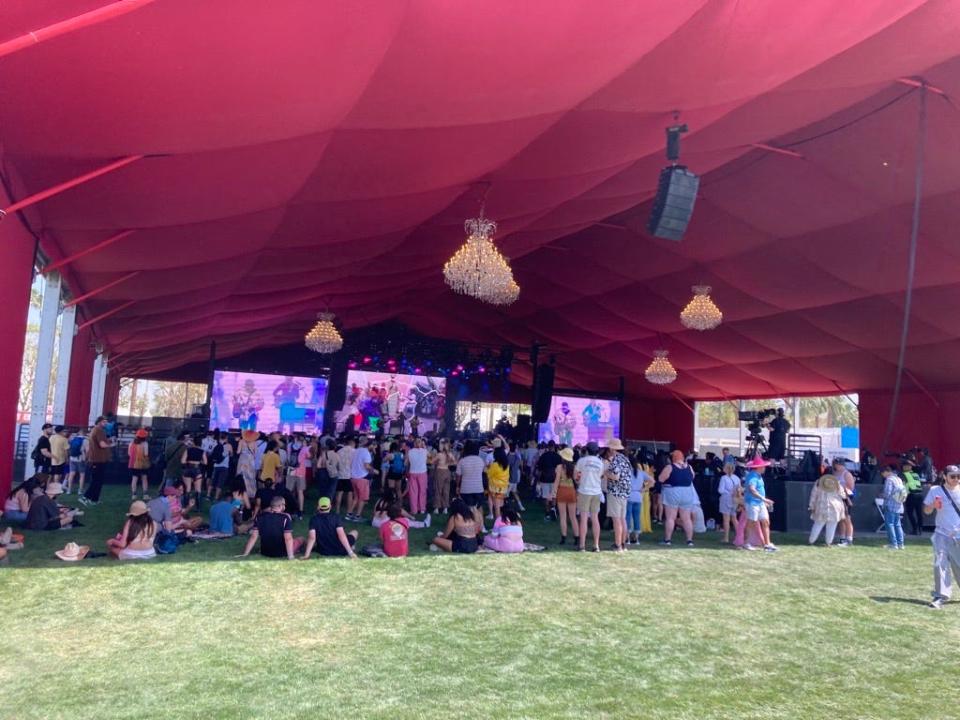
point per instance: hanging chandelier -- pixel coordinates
(324, 338)
(478, 269)
(701, 313)
(661, 371)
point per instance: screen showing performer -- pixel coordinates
(579, 420)
(393, 404)
(270, 403)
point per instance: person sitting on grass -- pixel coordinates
(327, 534)
(507, 534)
(264, 497)
(18, 503)
(226, 516)
(135, 541)
(274, 529)
(460, 535)
(167, 511)
(381, 511)
(394, 533)
(46, 514)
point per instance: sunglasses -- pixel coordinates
(953, 476)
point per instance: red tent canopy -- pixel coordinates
(303, 154)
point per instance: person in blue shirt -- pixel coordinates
(757, 504)
(226, 514)
(727, 458)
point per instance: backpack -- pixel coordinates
(899, 494)
(36, 456)
(166, 542)
(76, 447)
(216, 455)
(397, 462)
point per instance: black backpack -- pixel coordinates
(216, 456)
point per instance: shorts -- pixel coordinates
(616, 506)
(128, 554)
(219, 477)
(464, 545)
(295, 483)
(566, 495)
(588, 504)
(137, 472)
(192, 472)
(78, 466)
(58, 469)
(684, 498)
(757, 512)
(512, 488)
(344, 485)
(726, 505)
(473, 500)
(495, 495)
(361, 489)
(544, 490)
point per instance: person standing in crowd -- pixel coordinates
(469, 476)
(588, 474)
(565, 495)
(327, 534)
(547, 471)
(59, 453)
(445, 463)
(849, 484)
(729, 482)
(247, 460)
(779, 428)
(727, 458)
(894, 494)
(498, 480)
(678, 497)
(99, 453)
(78, 462)
(619, 476)
(826, 508)
(328, 468)
(345, 466)
(297, 478)
(640, 483)
(416, 461)
(220, 455)
(913, 507)
(41, 455)
(271, 465)
(138, 463)
(945, 499)
(757, 504)
(274, 529)
(135, 540)
(360, 469)
(173, 459)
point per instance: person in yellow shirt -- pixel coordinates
(59, 453)
(498, 479)
(270, 469)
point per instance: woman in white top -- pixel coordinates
(729, 483)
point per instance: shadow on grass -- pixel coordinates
(905, 601)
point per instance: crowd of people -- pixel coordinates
(250, 483)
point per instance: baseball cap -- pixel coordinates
(323, 503)
(951, 470)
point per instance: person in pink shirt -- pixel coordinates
(507, 535)
(297, 483)
(395, 533)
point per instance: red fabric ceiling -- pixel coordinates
(304, 153)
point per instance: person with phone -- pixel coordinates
(945, 500)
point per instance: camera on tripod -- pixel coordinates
(756, 420)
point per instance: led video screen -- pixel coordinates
(392, 403)
(579, 420)
(270, 403)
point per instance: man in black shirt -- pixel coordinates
(45, 514)
(546, 470)
(41, 453)
(274, 529)
(328, 535)
(264, 497)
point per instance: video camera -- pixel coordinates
(756, 419)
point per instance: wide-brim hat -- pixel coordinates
(250, 435)
(757, 462)
(54, 488)
(72, 552)
(137, 508)
(829, 482)
(566, 454)
(614, 444)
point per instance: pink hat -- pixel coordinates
(757, 462)
(170, 490)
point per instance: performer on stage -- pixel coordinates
(285, 396)
(563, 424)
(247, 404)
(592, 418)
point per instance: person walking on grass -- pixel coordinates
(757, 504)
(565, 496)
(588, 473)
(619, 476)
(894, 494)
(945, 499)
(729, 482)
(637, 517)
(849, 485)
(826, 508)
(678, 497)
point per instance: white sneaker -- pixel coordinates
(770, 548)
(937, 603)
(434, 548)
(426, 520)
(748, 546)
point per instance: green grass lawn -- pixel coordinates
(653, 633)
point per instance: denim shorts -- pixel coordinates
(78, 466)
(684, 498)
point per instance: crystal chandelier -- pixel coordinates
(701, 313)
(660, 371)
(478, 269)
(324, 337)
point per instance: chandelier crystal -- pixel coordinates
(661, 371)
(478, 269)
(701, 313)
(324, 338)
